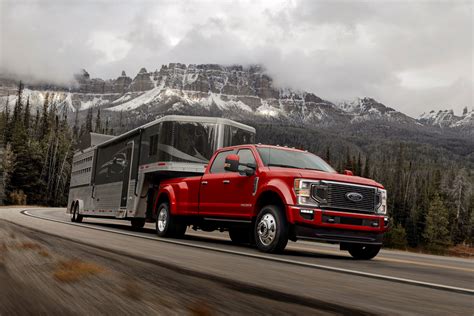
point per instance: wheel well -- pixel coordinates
(163, 197)
(267, 198)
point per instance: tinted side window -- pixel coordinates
(245, 156)
(236, 136)
(153, 145)
(218, 164)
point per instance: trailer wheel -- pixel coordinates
(271, 229)
(363, 252)
(137, 223)
(240, 235)
(166, 224)
(73, 212)
(76, 217)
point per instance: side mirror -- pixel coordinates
(249, 172)
(348, 173)
(232, 163)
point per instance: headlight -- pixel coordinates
(303, 192)
(382, 201)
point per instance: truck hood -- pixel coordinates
(320, 175)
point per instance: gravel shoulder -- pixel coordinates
(43, 274)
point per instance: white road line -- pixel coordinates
(269, 258)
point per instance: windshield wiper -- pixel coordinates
(281, 165)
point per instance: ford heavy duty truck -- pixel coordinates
(267, 195)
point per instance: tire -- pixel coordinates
(137, 223)
(271, 229)
(76, 217)
(363, 252)
(166, 225)
(74, 213)
(240, 235)
(79, 217)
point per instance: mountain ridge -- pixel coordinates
(232, 89)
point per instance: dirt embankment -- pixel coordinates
(42, 274)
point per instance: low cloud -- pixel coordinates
(413, 56)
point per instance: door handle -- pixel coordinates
(204, 182)
(226, 181)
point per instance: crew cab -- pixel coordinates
(266, 195)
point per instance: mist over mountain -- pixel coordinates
(230, 91)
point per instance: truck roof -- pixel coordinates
(264, 146)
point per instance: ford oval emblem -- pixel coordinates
(354, 196)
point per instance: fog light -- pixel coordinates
(307, 214)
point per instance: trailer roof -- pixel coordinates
(181, 118)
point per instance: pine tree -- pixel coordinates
(328, 155)
(88, 128)
(98, 123)
(366, 173)
(359, 166)
(436, 234)
(75, 129)
(349, 163)
(27, 116)
(464, 111)
(45, 122)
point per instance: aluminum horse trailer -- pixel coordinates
(115, 177)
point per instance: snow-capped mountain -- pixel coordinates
(447, 119)
(209, 89)
(368, 109)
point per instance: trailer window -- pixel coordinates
(153, 145)
(236, 136)
(187, 141)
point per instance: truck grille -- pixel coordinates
(345, 196)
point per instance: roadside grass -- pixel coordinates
(132, 290)
(28, 246)
(44, 253)
(200, 309)
(68, 271)
(461, 251)
(3, 251)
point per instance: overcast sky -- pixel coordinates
(411, 55)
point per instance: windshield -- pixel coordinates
(292, 159)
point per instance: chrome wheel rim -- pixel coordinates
(162, 219)
(266, 229)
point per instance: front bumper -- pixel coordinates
(337, 226)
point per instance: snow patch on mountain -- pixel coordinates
(447, 119)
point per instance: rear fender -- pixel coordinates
(167, 192)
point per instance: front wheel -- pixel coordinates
(363, 252)
(271, 229)
(167, 225)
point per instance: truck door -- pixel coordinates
(226, 193)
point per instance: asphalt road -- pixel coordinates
(394, 282)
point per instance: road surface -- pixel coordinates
(307, 273)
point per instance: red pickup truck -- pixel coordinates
(267, 195)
